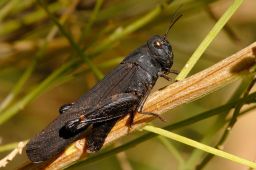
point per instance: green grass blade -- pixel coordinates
(72, 42)
(208, 39)
(199, 145)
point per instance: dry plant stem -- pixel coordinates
(172, 96)
(11, 156)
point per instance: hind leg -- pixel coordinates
(154, 115)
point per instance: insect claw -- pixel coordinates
(128, 129)
(129, 122)
(176, 72)
(164, 76)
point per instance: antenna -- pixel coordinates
(175, 17)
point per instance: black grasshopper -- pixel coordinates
(121, 92)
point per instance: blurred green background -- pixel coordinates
(28, 51)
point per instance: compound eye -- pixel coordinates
(157, 44)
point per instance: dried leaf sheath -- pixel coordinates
(122, 92)
(194, 87)
(174, 95)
